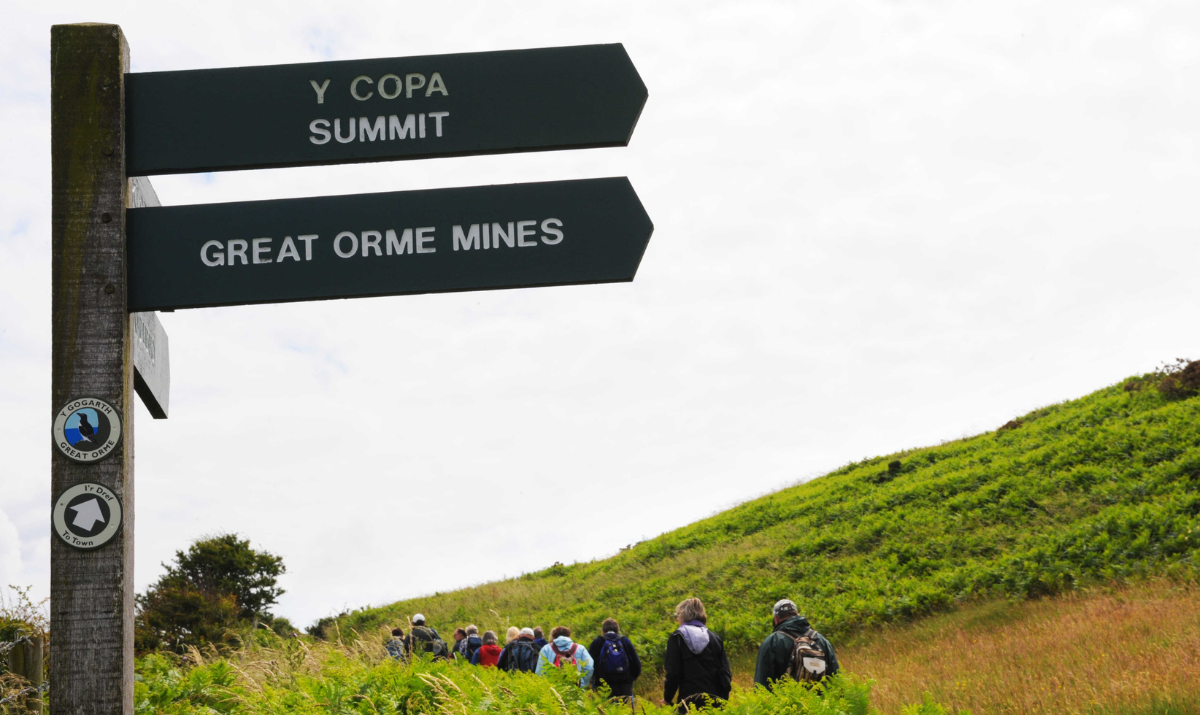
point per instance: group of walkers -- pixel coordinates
(696, 665)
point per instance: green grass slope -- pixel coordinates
(1098, 489)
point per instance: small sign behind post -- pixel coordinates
(477, 238)
(151, 358)
(151, 363)
(382, 109)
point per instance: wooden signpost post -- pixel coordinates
(118, 255)
(91, 591)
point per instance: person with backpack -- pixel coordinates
(519, 655)
(489, 651)
(617, 663)
(562, 652)
(467, 646)
(424, 639)
(697, 668)
(794, 650)
(460, 635)
(395, 646)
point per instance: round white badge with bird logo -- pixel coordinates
(87, 429)
(87, 515)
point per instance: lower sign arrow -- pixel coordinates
(477, 238)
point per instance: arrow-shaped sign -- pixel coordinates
(478, 238)
(87, 514)
(381, 109)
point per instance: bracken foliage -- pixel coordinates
(271, 675)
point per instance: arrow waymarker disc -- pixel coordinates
(87, 515)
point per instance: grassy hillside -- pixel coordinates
(1127, 651)
(1102, 488)
(1043, 655)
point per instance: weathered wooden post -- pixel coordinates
(91, 558)
(26, 660)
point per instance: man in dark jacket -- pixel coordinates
(520, 655)
(775, 653)
(467, 646)
(460, 635)
(617, 663)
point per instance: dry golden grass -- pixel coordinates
(1133, 650)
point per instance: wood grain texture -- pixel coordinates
(91, 653)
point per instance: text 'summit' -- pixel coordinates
(382, 127)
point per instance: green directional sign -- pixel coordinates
(381, 109)
(477, 238)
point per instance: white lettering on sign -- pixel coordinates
(381, 128)
(407, 130)
(404, 245)
(320, 131)
(376, 243)
(337, 244)
(354, 88)
(512, 234)
(215, 253)
(361, 86)
(383, 89)
(261, 246)
(320, 89)
(288, 250)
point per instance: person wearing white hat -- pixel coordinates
(425, 639)
(793, 650)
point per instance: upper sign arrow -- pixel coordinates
(381, 109)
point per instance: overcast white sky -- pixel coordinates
(878, 225)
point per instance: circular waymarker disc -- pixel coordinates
(87, 429)
(87, 515)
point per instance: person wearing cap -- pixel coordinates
(424, 639)
(519, 655)
(775, 653)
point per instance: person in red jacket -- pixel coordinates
(489, 652)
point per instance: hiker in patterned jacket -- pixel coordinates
(794, 650)
(395, 646)
(617, 663)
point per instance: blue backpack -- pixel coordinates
(522, 657)
(613, 658)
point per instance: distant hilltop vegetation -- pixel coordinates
(1103, 488)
